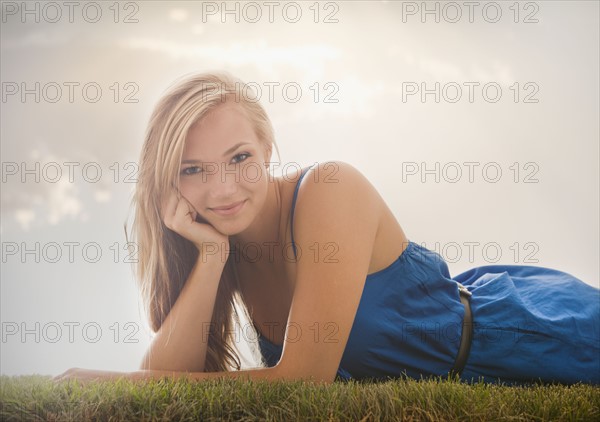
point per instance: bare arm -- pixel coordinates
(344, 212)
(181, 342)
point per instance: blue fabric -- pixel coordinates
(530, 323)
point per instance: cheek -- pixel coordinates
(254, 176)
(260, 190)
(190, 191)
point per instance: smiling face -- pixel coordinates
(223, 164)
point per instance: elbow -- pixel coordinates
(145, 365)
(152, 362)
(298, 372)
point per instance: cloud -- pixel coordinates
(178, 15)
(60, 201)
(441, 70)
(24, 217)
(102, 196)
(36, 39)
(63, 201)
(309, 58)
(35, 192)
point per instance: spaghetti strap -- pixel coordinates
(304, 170)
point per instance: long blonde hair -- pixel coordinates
(166, 258)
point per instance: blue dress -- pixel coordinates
(529, 323)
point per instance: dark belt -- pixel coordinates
(466, 335)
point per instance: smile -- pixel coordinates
(230, 210)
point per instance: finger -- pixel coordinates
(193, 212)
(184, 210)
(170, 205)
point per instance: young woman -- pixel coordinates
(332, 285)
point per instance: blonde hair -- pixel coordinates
(166, 258)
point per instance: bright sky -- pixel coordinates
(518, 108)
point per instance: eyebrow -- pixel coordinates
(229, 151)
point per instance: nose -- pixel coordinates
(223, 183)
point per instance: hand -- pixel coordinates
(84, 376)
(180, 216)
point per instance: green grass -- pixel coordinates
(36, 398)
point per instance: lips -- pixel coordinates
(229, 209)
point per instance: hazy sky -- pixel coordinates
(512, 139)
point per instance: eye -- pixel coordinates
(242, 154)
(190, 171)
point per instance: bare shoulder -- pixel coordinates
(329, 185)
(336, 201)
(338, 209)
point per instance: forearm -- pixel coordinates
(270, 374)
(181, 342)
(261, 373)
